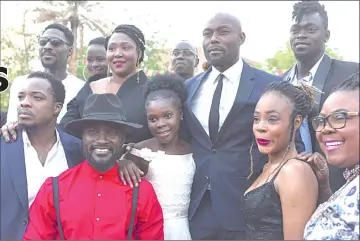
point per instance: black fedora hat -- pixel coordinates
(100, 107)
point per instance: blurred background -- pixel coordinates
(266, 24)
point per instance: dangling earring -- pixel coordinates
(108, 72)
(137, 78)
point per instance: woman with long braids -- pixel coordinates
(125, 49)
(282, 199)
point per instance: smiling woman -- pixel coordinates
(124, 52)
(337, 130)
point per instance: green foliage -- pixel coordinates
(284, 58)
(17, 55)
(155, 53)
(80, 63)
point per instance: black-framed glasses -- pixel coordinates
(335, 120)
(185, 53)
(55, 42)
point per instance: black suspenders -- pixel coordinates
(55, 185)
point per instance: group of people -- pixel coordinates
(233, 153)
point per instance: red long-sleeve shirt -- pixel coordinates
(94, 205)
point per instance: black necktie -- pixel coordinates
(214, 110)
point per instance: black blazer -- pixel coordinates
(329, 74)
(226, 163)
(131, 94)
(14, 204)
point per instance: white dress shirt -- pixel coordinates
(36, 173)
(201, 103)
(307, 79)
(72, 86)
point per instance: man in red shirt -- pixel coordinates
(93, 202)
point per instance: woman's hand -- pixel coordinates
(9, 131)
(319, 165)
(129, 173)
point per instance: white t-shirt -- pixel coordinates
(72, 86)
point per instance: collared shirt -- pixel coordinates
(93, 206)
(202, 102)
(36, 173)
(307, 79)
(72, 86)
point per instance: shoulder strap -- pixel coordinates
(278, 171)
(55, 185)
(133, 211)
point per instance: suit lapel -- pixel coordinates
(244, 91)
(286, 76)
(320, 79)
(192, 92)
(68, 147)
(16, 161)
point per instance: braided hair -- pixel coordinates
(309, 7)
(135, 34)
(302, 98)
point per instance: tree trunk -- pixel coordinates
(74, 22)
(81, 31)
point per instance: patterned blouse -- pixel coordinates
(338, 218)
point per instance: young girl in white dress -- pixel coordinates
(169, 164)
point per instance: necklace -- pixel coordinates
(280, 164)
(46, 151)
(351, 174)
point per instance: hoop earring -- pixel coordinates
(83, 72)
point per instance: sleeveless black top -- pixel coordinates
(263, 213)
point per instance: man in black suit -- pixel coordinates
(219, 116)
(308, 35)
(40, 151)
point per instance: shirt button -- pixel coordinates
(100, 177)
(207, 177)
(24, 223)
(97, 219)
(99, 195)
(213, 151)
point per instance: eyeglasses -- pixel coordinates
(55, 42)
(185, 53)
(335, 120)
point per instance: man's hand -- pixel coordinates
(9, 131)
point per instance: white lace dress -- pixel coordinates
(172, 178)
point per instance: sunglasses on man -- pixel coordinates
(55, 42)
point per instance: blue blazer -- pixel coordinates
(14, 203)
(226, 163)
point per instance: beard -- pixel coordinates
(49, 65)
(102, 162)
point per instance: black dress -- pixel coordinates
(263, 213)
(131, 94)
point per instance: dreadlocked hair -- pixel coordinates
(351, 83)
(309, 7)
(302, 98)
(169, 82)
(135, 34)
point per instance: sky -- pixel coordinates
(266, 24)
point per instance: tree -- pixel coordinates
(17, 55)
(284, 58)
(78, 15)
(155, 53)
